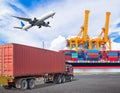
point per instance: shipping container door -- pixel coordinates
(6, 60)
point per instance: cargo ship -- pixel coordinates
(92, 58)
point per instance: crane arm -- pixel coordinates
(106, 26)
(86, 25)
(81, 31)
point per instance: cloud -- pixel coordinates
(58, 43)
(67, 21)
(115, 46)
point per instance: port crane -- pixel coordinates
(103, 39)
(82, 37)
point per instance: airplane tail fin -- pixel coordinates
(22, 25)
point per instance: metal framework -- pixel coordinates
(103, 39)
(82, 37)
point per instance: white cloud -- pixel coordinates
(115, 46)
(67, 21)
(58, 43)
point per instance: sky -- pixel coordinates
(66, 22)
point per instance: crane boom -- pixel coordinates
(106, 26)
(86, 24)
(103, 38)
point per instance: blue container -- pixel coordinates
(119, 53)
(93, 51)
(100, 55)
(81, 59)
(86, 56)
(93, 59)
(73, 51)
(81, 53)
(67, 53)
(119, 59)
(74, 54)
(112, 54)
(80, 56)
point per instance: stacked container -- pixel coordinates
(112, 55)
(92, 55)
(119, 56)
(74, 55)
(103, 55)
(81, 55)
(67, 54)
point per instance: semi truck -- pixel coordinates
(21, 65)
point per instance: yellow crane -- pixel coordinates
(82, 36)
(103, 38)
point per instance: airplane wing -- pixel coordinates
(21, 18)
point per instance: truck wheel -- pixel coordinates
(55, 80)
(59, 79)
(24, 84)
(63, 79)
(18, 83)
(31, 83)
(71, 78)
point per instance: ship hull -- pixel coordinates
(95, 65)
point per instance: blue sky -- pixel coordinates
(67, 21)
(32, 3)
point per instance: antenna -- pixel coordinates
(43, 44)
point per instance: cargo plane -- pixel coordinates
(35, 22)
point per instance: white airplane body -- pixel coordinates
(35, 22)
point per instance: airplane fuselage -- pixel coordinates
(44, 17)
(27, 27)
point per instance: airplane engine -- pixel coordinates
(48, 22)
(39, 26)
(35, 19)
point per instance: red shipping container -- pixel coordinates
(20, 60)
(68, 58)
(103, 52)
(74, 59)
(63, 51)
(112, 51)
(112, 58)
(95, 55)
(85, 51)
(92, 56)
